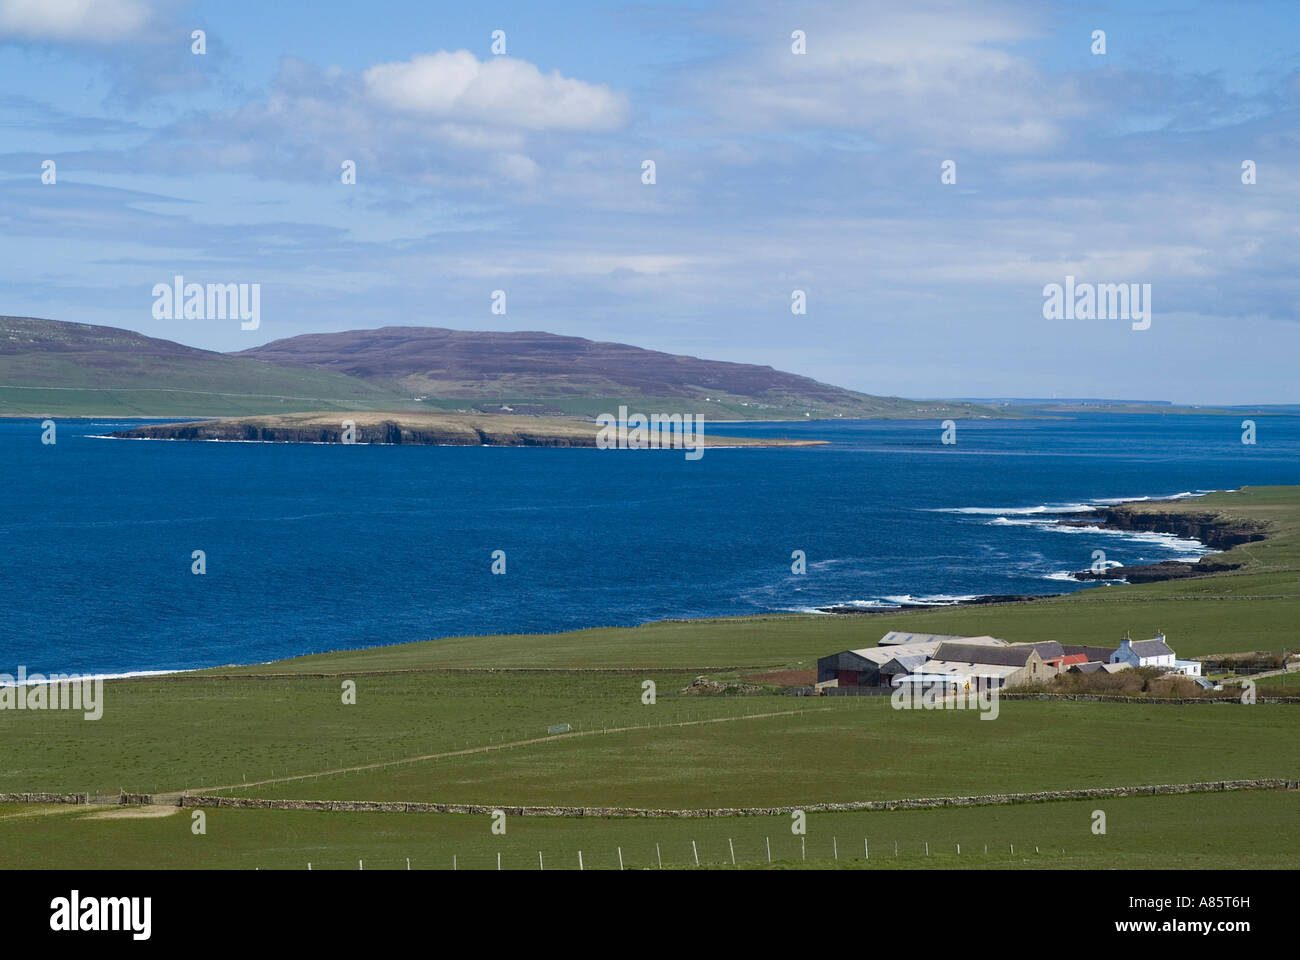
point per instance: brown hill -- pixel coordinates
(487, 365)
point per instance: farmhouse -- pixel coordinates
(1144, 653)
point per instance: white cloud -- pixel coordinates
(930, 72)
(73, 21)
(500, 91)
(517, 167)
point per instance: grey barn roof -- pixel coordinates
(1047, 649)
(1012, 656)
(906, 662)
(894, 637)
(1100, 654)
(1152, 648)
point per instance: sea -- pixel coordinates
(309, 547)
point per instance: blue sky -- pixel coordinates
(774, 172)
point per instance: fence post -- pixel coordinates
(696, 852)
(579, 859)
(620, 858)
(540, 865)
(659, 857)
(835, 848)
(733, 851)
(768, 841)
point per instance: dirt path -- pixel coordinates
(174, 796)
(53, 809)
(134, 812)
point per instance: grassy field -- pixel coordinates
(1238, 831)
(241, 726)
(858, 749)
(171, 734)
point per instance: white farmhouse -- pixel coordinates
(1144, 653)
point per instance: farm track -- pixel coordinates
(174, 796)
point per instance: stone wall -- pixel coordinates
(44, 798)
(1103, 698)
(372, 806)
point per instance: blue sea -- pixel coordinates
(324, 547)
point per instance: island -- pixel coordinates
(412, 427)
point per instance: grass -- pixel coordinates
(859, 749)
(202, 386)
(1242, 831)
(228, 726)
(165, 734)
(168, 733)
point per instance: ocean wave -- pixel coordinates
(95, 676)
(1168, 541)
(1049, 509)
(1111, 501)
(938, 599)
(1045, 508)
(1062, 575)
(1067, 576)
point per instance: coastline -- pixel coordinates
(1177, 515)
(1212, 530)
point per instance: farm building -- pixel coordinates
(902, 665)
(1008, 666)
(1144, 653)
(986, 675)
(901, 657)
(1090, 654)
(898, 636)
(864, 667)
(1096, 666)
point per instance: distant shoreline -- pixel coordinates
(426, 428)
(1186, 520)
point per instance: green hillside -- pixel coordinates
(65, 369)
